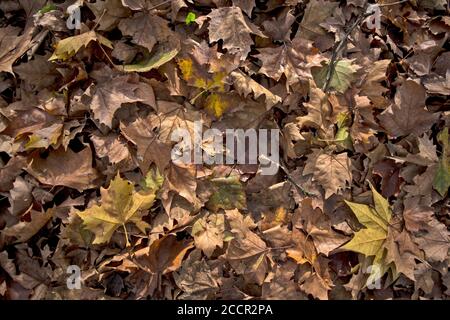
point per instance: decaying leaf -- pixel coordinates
(116, 117)
(65, 168)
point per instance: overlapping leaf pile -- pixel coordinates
(359, 208)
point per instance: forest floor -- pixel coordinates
(100, 99)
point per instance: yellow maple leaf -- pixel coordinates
(369, 241)
(216, 105)
(68, 47)
(199, 78)
(120, 203)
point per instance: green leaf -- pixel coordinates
(47, 8)
(150, 62)
(342, 137)
(342, 77)
(190, 18)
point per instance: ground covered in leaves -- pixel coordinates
(359, 208)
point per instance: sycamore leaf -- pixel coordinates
(163, 255)
(245, 5)
(109, 97)
(216, 104)
(146, 30)
(45, 137)
(288, 59)
(246, 85)
(246, 251)
(332, 171)
(369, 241)
(208, 233)
(153, 181)
(342, 77)
(13, 46)
(408, 114)
(230, 25)
(316, 12)
(120, 204)
(68, 47)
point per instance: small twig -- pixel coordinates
(392, 3)
(100, 19)
(339, 47)
(160, 4)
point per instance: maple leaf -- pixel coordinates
(246, 85)
(208, 233)
(246, 251)
(230, 25)
(341, 78)
(332, 171)
(315, 13)
(120, 204)
(289, 59)
(68, 47)
(109, 97)
(369, 241)
(13, 46)
(408, 114)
